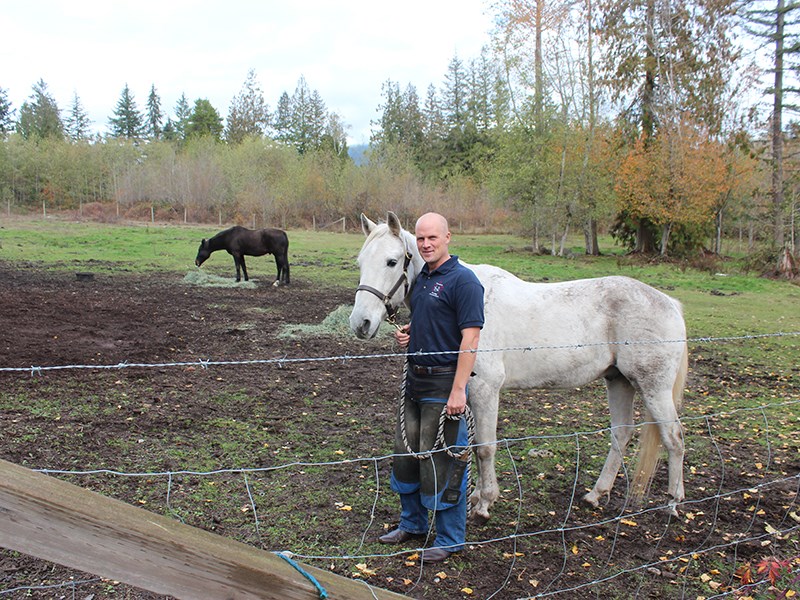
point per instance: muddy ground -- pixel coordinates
(541, 540)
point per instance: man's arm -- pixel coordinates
(457, 401)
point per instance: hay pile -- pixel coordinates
(337, 323)
(204, 279)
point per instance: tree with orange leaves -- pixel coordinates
(675, 179)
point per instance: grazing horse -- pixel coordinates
(617, 328)
(240, 241)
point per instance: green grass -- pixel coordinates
(718, 302)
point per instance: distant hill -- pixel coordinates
(358, 153)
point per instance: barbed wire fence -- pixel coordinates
(784, 525)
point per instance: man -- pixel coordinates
(446, 320)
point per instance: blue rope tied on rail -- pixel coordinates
(322, 591)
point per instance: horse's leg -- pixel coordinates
(663, 412)
(236, 260)
(244, 268)
(620, 404)
(278, 267)
(484, 400)
(285, 268)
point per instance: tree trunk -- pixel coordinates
(665, 229)
(777, 134)
(645, 244)
(538, 70)
(590, 238)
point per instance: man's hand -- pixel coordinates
(401, 336)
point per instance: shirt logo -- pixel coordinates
(437, 288)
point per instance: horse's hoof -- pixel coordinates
(276, 284)
(478, 519)
(593, 498)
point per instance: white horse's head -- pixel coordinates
(389, 262)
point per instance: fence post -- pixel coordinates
(56, 521)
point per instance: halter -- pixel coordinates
(391, 311)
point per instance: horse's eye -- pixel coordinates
(391, 262)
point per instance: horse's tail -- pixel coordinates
(650, 438)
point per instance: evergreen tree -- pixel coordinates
(6, 114)
(249, 113)
(154, 115)
(307, 118)
(433, 127)
(204, 120)
(182, 113)
(456, 92)
(77, 123)
(283, 119)
(482, 86)
(127, 121)
(39, 117)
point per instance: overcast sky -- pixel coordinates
(345, 49)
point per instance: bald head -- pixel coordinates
(433, 238)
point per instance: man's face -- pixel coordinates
(432, 240)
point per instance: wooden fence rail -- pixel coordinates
(56, 521)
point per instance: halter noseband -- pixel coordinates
(391, 311)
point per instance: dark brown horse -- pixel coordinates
(240, 241)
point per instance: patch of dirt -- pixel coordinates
(134, 419)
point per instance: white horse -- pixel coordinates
(612, 327)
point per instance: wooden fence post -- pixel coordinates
(56, 521)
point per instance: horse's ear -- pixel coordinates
(366, 225)
(394, 223)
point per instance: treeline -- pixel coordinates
(626, 116)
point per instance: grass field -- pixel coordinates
(723, 302)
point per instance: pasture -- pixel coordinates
(287, 449)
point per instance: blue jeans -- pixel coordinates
(421, 484)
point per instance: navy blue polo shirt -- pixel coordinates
(442, 304)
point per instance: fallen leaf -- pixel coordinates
(467, 590)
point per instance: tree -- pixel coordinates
(177, 128)
(307, 117)
(154, 116)
(204, 121)
(6, 114)
(677, 178)
(77, 123)
(665, 59)
(769, 24)
(283, 119)
(455, 95)
(249, 113)
(39, 116)
(127, 121)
